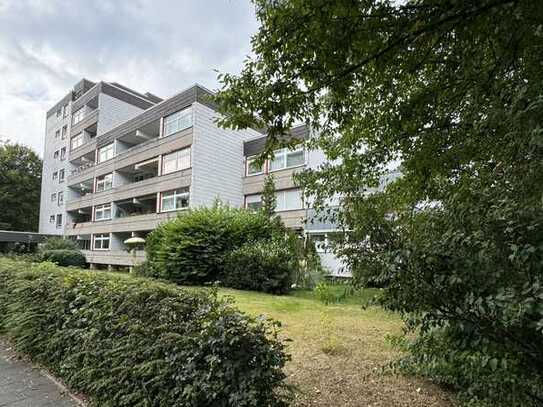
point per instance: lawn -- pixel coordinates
(337, 350)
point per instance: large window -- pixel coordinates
(106, 153)
(176, 161)
(59, 220)
(102, 212)
(253, 168)
(61, 175)
(253, 202)
(174, 200)
(285, 158)
(101, 241)
(78, 115)
(289, 200)
(104, 182)
(63, 153)
(76, 141)
(177, 122)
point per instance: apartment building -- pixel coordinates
(291, 208)
(131, 161)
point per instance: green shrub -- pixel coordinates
(261, 266)
(192, 248)
(64, 257)
(125, 341)
(58, 243)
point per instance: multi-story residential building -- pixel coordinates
(132, 161)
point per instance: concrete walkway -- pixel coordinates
(22, 385)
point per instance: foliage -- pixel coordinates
(125, 341)
(58, 243)
(309, 271)
(454, 92)
(269, 200)
(20, 185)
(192, 248)
(261, 266)
(64, 257)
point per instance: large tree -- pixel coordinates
(20, 183)
(452, 91)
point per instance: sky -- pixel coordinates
(157, 46)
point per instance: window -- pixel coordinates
(61, 176)
(289, 200)
(59, 112)
(60, 198)
(57, 134)
(174, 200)
(104, 182)
(52, 219)
(55, 175)
(253, 202)
(105, 153)
(76, 141)
(64, 132)
(102, 212)
(59, 220)
(319, 240)
(101, 241)
(55, 154)
(177, 122)
(78, 116)
(65, 109)
(252, 168)
(284, 158)
(63, 153)
(176, 161)
(53, 197)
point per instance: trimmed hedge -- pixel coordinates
(125, 341)
(192, 248)
(262, 266)
(64, 257)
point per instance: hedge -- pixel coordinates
(64, 257)
(192, 248)
(125, 341)
(262, 266)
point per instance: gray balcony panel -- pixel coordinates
(136, 223)
(283, 180)
(114, 257)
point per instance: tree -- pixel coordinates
(20, 183)
(269, 200)
(454, 92)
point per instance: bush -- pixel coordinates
(192, 248)
(58, 243)
(64, 257)
(261, 266)
(125, 341)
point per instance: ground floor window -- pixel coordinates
(101, 241)
(253, 202)
(289, 200)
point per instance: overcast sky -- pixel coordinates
(157, 46)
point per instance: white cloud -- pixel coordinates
(158, 46)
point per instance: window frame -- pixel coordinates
(174, 197)
(62, 153)
(60, 198)
(176, 160)
(285, 152)
(101, 237)
(169, 119)
(97, 182)
(247, 197)
(284, 192)
(249, 160)
(55, 175)
(59, 217)
(112, 145)
(79, 114)
(102, 208)
(51, 218)
(78, 136)
(64, 132)
(54, 197)
(56, 155)
(62, 178)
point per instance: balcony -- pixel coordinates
(114, 257)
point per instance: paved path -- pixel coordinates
(21, 385)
